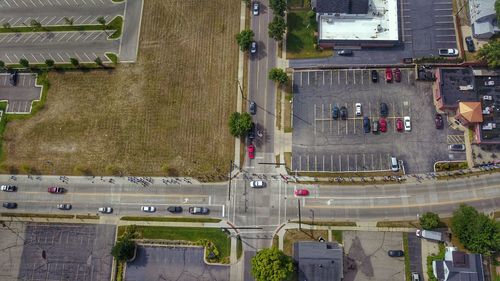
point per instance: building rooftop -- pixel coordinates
(457, 84)
(488, 90)
(460, 267)
(318, 261)
(342, 6)
(380, 23)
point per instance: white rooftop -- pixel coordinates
(381, 23)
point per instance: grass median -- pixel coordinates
(170, 219)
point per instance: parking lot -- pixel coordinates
(173, 263)
(424, 27)
(323, 144)
(367, 257)
(415, 253)
(20, 97)
(67, 252)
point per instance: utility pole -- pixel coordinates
(229, 186)
(300, 221)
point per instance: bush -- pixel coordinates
(239, 124)
(123, 249)
(429, 220)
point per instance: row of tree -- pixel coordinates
(277, 26)
(37, 26)
(50, 63)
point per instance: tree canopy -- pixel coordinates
(244, 39)
(239, 123)
(278, 6)
(429, 220)
(277, 28)
(123, 249)
(491, 53)
(278, 75)
(272, 265)
(476, 231)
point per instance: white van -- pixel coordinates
(394, 164)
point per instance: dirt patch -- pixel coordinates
(166, 114)
(295, 235)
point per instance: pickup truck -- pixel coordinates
(448, 52)
(432, 235)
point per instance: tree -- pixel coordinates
(272, 265)
(24, 63)
(74, 62)
(476, 231)
(123, 249)
(277, 28)
(101, 20)
(6, 25)
(244, 39)
(239, 123)
(49, 63)
(2, 64)
(69, 21)
(278, 6)
(278, 75)
(98, 61)
(491, 53)
(429, 220)
(35, 25)
(497, 9)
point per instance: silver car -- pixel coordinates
(105, 210)
(148, 209)
(456, 147)
(256, 184)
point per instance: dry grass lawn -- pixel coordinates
(295, 235)
(166, 114)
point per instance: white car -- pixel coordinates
(358, 109)
(448, 52)
(105, 210)
(407, 122)
(255, 9)
(8, 188)
(148, 209)
(257, 184)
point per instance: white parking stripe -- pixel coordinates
(31, 35)
(79, 36)
(69, 38)
(62, 59)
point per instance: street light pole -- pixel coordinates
(229, 186)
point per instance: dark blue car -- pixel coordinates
(366, 124)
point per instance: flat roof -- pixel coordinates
(379, 24)
(454, 83)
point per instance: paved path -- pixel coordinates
(129, 42)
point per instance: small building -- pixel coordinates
(356, 23)
(452, 86)
(458, 266)
(483, 18)
(469, 113)
(319, 261)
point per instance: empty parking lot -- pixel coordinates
(323, 144)
(20, 97)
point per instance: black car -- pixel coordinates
(343, 113)
(64, 207)
(366, 124)
(253, 108)
(438, 120)
(344, 53)
(253, 47)
(251, 133)
(9, 205)
(335, 112)
(175, 209)
(384, 110)
(13, 78)
(470, 44)
(374, 76)
(395, 253)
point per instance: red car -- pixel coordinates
(397, 75)
(301, 192)
(251, 151)
(54, 189)
(388, 74)
(399, 125)
(383, 125)
(438, 120)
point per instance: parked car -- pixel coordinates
(399, 124)
(366, 124)
(256, 8)
(251, 151)
(174, 209)
(253, 47)
(415, 276)
(470, 44)
(335, 112)
(395, 253)
(343, 113)
(394, 164)
(384, 110)
(253, 108)
(456, 147)
(13, 78)
(64, 206)
(251, 132)
(54, 189)
(407, 121)
(256, 184)
(448, 52)
(375, 126)
(344, 52)
(374, 76)
(397, 75)
(9, 205)
(198, 210)
(301, 192)
(438, 121)
(148, 209)
(105, 210)
(383, 125)
(358, 109)
(8, 188)
(388, 74)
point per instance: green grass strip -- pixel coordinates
(27, 215)
(407, 256)
(171, 219)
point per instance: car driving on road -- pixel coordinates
(9, 205)
(54, 189)
(344, 52)
(8, 188)
(255, 8)
(251, 151)
(301, 192)
(174, 209)
(198, 210)
(252, 108)
(258, 183)
(148, 209)
(64, 207)
(105, 210)
(253, 47)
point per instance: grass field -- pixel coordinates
(166, 114)
(300, 36)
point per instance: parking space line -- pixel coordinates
(323, 78)
(331, 77)
(445, 29)
(300, 162)
(364, 161)
(446, 42)
(331, 120)
(331, 162)
(348, 166)
(362, 75)
(338, 72)
(316, 76)
(308, 162)
(300, 78)
(373, 166)
(322, 117)
(346, 74)
(340, 163)
(308, 78)
(380, 157)
(354, 76)
(314, 119)
(72, 34)
(315, 163)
